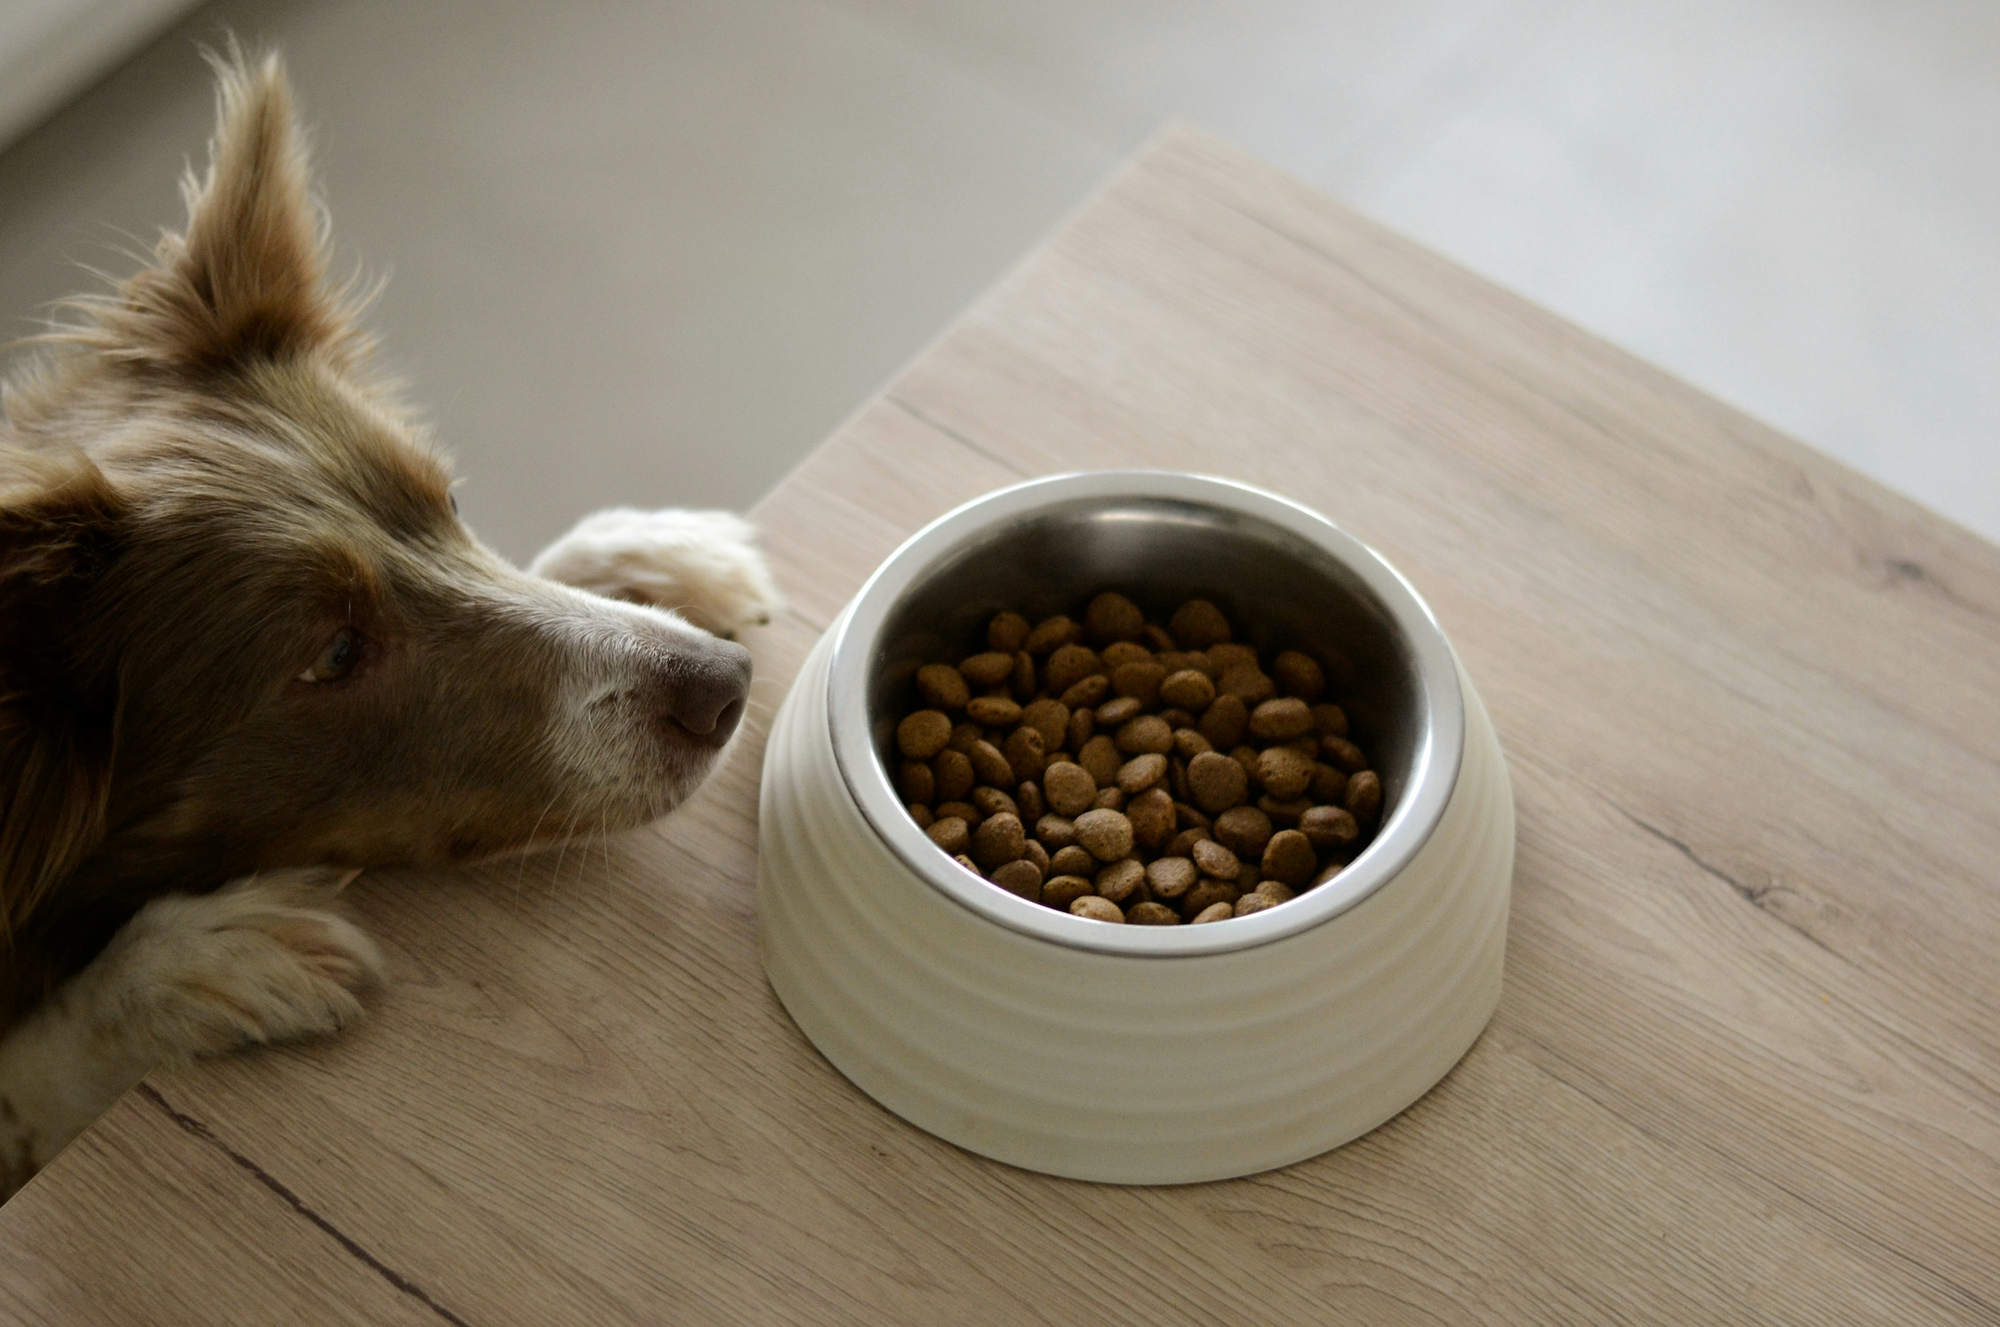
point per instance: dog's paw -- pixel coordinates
(704, 565)
(261, 960)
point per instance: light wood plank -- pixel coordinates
(1746, 1064)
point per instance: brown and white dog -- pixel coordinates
(247, 648)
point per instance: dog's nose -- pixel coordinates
(709, 686)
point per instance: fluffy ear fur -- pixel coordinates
(59, 526)
(248, 280)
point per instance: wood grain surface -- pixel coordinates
(1747, 1065)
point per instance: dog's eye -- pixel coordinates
(337, 660)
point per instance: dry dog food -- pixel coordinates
(1130, 772)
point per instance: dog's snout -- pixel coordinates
(707, 690)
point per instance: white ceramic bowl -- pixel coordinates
(1136, 1054)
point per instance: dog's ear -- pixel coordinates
(60, 528)
(249, 279)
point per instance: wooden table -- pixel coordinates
(1747, 1066)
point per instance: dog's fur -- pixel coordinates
(247, 648)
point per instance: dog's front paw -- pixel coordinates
(261, 960)
(704, 565)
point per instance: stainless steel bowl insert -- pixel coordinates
(1287, 578)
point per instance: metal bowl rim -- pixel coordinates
(1434, 766)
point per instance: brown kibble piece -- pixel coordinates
(1328, 784)
(916, 782)
(1152, 817)
(1247, 879)
(1100, 756)
(942, 687)
(967, 863)
(1206, 894)
(1032, 851)
(1198, 624)
(1096, 909)
(1056, 832)
(1050, 718)
(921, 814)
(952, 773)
(1006, 632)
(992, 801)
(1049, 634)
(1114, 712)
(1059, 891)
(1217, 782)
(1246, 756)
(1244, 830)
(1106, 834)
(993, 711)
(1178, 720)
(1276, 891)
(1021, 877)
(950, 834)
(1214, 859)
(1147, 733)
(1140, 681)
(1121, 652)
(963, 735)
(1121, 880)
(1364, 796)
(1024, 754)
(1141, 772)
(1110, 799)
(1028, 797)
(998, 839)
(1024, 675)
(987, 670)
(1225, 721)
(1329, 720)
(1329, 827)
(923, 734)
(1070, 789)
(1277, 720)
(1072, 860)
(1088, 693)
(1188, 743)
(1177, 779)
(1343, 754)
(1284, 810)
(1113, 617)
(1214, 912)
(990, 767)
(1284, 772)
(1082, 727)
(1230, 654)
(1299, 675)
(1187, 689)
(1070, 665)
(1248, 683)
(1156, 638)
(1289, 858)
(965, 811)
(1152, 914)
(1182, 844)
(1252, 903)
(1171, 877)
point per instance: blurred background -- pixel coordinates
(652, 252)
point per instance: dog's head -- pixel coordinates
(241, 624)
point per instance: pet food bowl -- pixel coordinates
(1136, 1054)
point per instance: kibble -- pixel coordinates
(1097, 909)
(1126, 771)
(1105, 834)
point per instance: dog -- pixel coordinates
(248, 649)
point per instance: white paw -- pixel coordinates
(261, 960)
(704, 565)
